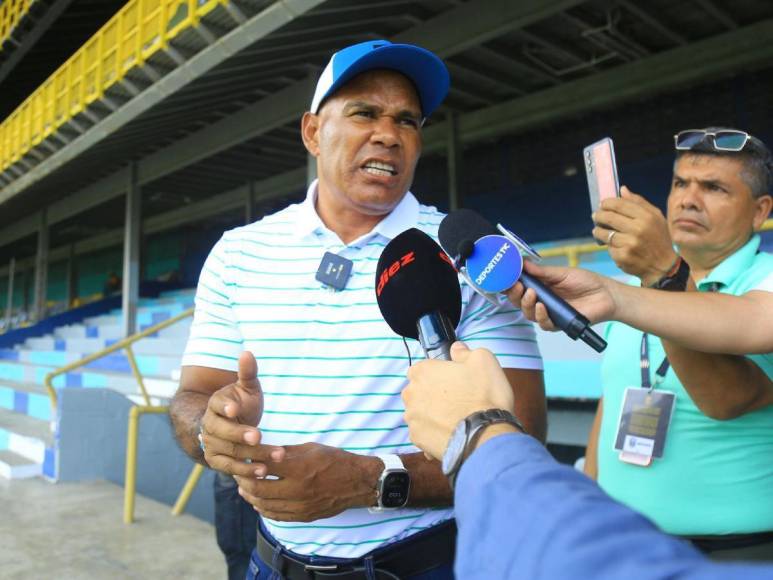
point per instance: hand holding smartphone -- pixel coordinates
(601, 171)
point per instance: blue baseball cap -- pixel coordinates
(428, 73)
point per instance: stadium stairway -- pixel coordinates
(27, 428)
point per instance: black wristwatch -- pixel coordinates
(676, 279)
(466, 434)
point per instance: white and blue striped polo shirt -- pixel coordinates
(330, 367)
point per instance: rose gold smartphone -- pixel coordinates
(601, 171)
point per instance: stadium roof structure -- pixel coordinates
(214, 111)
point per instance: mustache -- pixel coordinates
(691, 216)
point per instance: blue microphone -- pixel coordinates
(492, 263)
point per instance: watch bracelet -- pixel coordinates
(488, 417)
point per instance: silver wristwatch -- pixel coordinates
(394, 485)
(466, 434)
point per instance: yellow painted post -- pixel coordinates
(130, 478)
(573, 258)
(187, 490)
(136, 371)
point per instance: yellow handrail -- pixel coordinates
(11, 12)
(574, 251)
(131, 37)
(124, 343)
(135, 412)
(130, 483)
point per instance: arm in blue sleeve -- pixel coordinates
(521, 514)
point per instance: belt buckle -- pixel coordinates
(320, 567)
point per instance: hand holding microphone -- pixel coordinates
(492, 263)
(595, 295)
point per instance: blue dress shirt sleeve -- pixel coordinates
(521, 514)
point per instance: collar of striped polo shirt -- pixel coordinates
(334, 270)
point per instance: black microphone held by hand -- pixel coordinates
(417, 290)
(491, 261)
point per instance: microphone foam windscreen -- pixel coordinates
(460, 226)
(414, 277)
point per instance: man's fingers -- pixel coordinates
(224, 403)
(528, 302)
(231, 466)
(459, 351)
(548, 274)
(515, 293)
(542, 318)
(222, 428)
(270, 489)
(262, 453)
(617, 241)
(248, 372)
(614, 220)
(632, 206)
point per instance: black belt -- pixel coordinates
(424, 551)
(708, 544)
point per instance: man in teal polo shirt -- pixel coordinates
(685, 437)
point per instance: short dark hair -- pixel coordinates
(755, 156)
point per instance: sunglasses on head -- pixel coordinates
(724, 140)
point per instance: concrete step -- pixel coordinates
(25, 398)
(28, 438)
(15, 466)
(167, 346)
(125, 383)
(114, 331)
(26, 426)
(155, 364)
(148, 316)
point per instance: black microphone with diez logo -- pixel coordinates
(417, 290)
(490, 260)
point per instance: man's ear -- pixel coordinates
(310, 132)
(762, 210)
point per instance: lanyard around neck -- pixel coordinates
(660, 374)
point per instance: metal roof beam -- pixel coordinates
(42, 24)
(266, 189)
(653, 22)
(724, 54)
(718, 14)
(274, 111)
(476, 22)
(259, 26)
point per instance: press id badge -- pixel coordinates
(644, 421)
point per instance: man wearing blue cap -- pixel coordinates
(341, 490)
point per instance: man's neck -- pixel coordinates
(346, 224)
(703, 262)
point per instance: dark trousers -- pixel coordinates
(235, 526)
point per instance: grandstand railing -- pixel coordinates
(138, 30)
(573, 252)
(126, 344)
(11, 13)
(130, 489)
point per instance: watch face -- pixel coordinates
(395, 489)
(455, 448)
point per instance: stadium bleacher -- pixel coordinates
(27, 443)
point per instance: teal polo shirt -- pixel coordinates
(715, 477)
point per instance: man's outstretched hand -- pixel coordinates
(229, 425)
(442, 393)
(592, 295)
